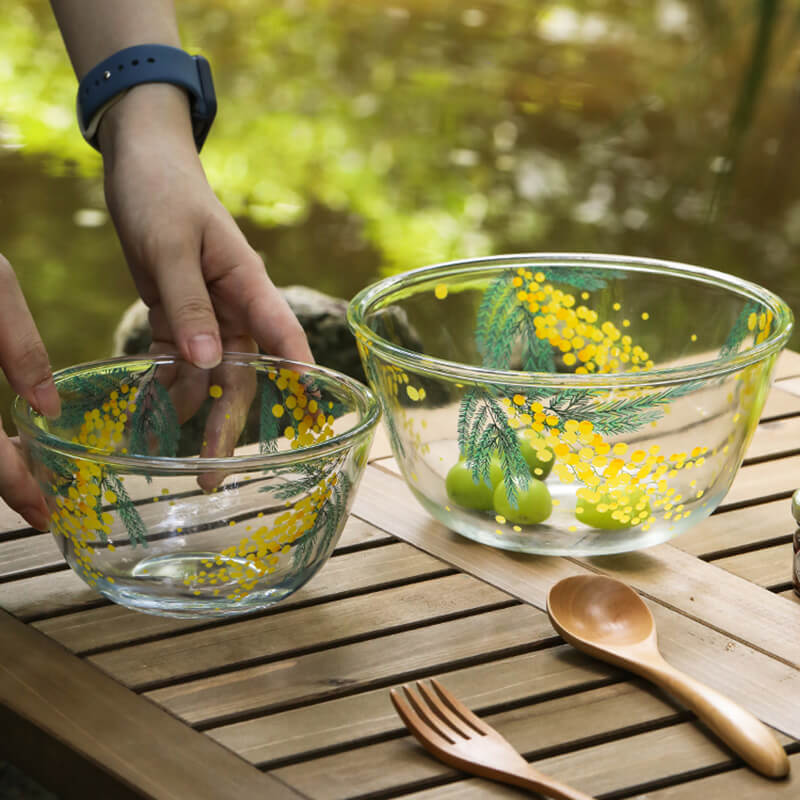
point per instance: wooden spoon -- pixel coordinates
(608, 620)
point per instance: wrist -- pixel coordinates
(102, 87)
(146, 113)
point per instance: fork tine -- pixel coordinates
(443, 712)
(424, 713)
(425, 731)
(461, 711)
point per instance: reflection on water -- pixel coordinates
(356, 138)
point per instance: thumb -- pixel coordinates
(22, 354)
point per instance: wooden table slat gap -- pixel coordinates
(776, 417)
(778, 588)
(20, 533)
(755, 501)
(98, 602)
(276, 610)
(359, 547)
(380, 633)
(673, 780)
(431, 671)
(686, 777)
(34, 572)
(731, 508)
(773, 456)
(741, 549)
(400, 732)
(755, 526)
(618, 734)
(767, 568)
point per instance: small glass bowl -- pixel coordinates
(569, 404)
(199, 493)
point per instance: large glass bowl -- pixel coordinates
(188, 492)
(569, 404)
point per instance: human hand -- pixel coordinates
(24, 361)
(206, 288)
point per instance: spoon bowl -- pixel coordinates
(599, 610)
(607, 619)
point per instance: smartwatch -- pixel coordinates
(106, 83)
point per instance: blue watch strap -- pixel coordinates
(149, 63)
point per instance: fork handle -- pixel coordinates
(530, 778)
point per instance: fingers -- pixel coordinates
(18, 486)
(188, 257)
(230, 388)
(274, 325)
(188, 391)
(246, 300)
(188, 307)
(24, 360)
(187, 385)
(22, 353)
(233, 390)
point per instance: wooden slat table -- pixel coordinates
(98, 701)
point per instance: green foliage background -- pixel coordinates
(358, 138)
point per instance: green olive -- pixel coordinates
(533, 505)
(465, 491)
(495, 471)
(614, 511)
(540, 461)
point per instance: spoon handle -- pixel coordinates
(738, 728)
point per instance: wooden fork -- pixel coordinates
(449, 730)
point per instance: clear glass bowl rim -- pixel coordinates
(364, 399)
(368, 297)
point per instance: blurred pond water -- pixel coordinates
(358, 137)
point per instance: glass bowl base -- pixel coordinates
(560, 535)
(184, 586)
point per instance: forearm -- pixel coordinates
(95, 29)
(92, 31)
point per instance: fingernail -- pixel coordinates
(205, 351)
(47, 400)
